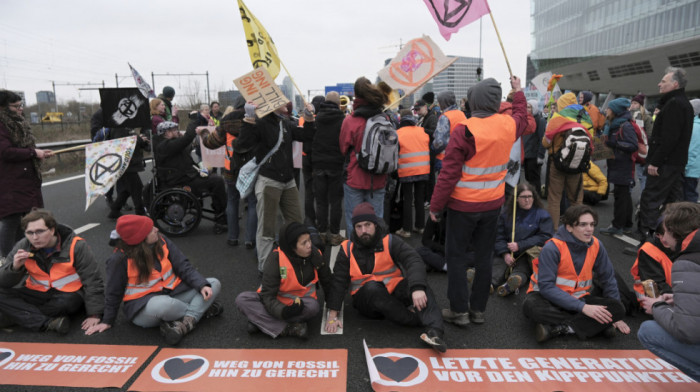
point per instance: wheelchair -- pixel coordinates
(176, 211)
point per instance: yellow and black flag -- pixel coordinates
(260, 45)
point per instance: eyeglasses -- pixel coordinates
(35, 232)
(17, 105)
(525, 197)
(586, 224)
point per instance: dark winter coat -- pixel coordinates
(623, 140)
(280, 166)
(351, 141)
(19, 180)
(673, 127)
(117, 279)
(325, 148)
(532, 143)
(136, 164)
(533, 227)
(174, 160)
(228, 125)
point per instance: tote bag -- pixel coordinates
(249, 172)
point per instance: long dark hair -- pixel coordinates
(372, 94)
(522, 187)
(144, 256)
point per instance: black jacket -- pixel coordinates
(623, 141)
(403, 255)
(673, 127)
(136, 164)
(325, 148)
(173, 158)
(532, 143)
(280, 166)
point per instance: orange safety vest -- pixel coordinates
(484, 175)
(61, 276)
(165, 279)
(578, 286)
(290, 288)
(455, 116)
(385, 270)
(660, 257)
(229, 151)
(414, 151)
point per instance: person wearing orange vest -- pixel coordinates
(471, 187)
(156, 282)
(414, 169)
(447, 122)
(653, 262)
(387, 279)
(559, 298)
(287, 297)
(60, 275)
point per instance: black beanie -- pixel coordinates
(428, 97)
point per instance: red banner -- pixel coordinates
(245, 370)
(70, 365)
(523, 370)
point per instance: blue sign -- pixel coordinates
(342, 89)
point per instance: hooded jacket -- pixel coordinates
(549, 265)
(672, 130)
(623, 140)
(325, 147)
(351, 133)
(595, 181)
(280, 166)
(533, 227)
(682, 318)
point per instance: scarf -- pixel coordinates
(20, 134)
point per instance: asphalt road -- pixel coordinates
(235, 267)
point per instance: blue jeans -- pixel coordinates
(685, 357)
(354, 197)
(641, 175)
(233, 203)
(166, 308)
(690, 189)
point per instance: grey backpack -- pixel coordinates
(379, 153)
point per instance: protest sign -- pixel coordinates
(257, 86)
(105, 163)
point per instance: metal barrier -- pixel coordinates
(66, 144)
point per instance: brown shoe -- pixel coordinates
(59, 324)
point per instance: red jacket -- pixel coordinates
(351, 140)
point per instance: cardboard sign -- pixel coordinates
(523, 370)
(601, 151)
(70, 365)
(212, 158)
(245, 370)
(259, 87)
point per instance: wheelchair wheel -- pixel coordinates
(176, 212)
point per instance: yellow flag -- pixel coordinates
(260, 45)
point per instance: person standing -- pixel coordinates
(532, 145)
(428, 121)
(170, 113)
(414, 169)
(451, 116)
(20, 170)
(471, 186)
(668, 150)
(159, 114)
(692, 169)
(644, 121)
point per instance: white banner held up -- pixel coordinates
(105, 162)
(259, 87)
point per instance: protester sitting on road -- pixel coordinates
(533, 227)
(674, 335)
(386, 278)
(654, 262)
(595, 186)
(156, 282)
(287, 297)
(559, 298)
(61, 276)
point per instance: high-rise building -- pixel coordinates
(227, 98)
(458, 77)
(621, 46)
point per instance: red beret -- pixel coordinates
(133, 229)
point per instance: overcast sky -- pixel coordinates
(322, 42)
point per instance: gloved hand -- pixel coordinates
(292, 310)
(250, 109)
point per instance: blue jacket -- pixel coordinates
(533, 227)
(692, 169)
(549, 266)
(623, 140)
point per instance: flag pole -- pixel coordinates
(515, 204)
(74, 148)
(293, 82)
(501, 42)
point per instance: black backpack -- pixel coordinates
(574, 155)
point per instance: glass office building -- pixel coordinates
(458, 78)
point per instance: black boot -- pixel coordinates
(299, 330)
(433, 339)
(544, 332)
(174, 331)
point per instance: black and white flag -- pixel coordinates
(124, 108)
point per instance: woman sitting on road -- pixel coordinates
(156, 282)
(287, 297)
(533, 227)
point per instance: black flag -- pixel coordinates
(124, 108)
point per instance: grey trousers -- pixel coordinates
(249, 303)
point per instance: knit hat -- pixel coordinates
(317, 101)
(619, 105)
(334, 97)
(364, 212)
(168, 92)
(165, 126)
(639, 98)
(587, 97)
(407, 118)
(428, 97)
(566, 100)
(419, 104)
(535, 106)
(696, 106)
(133, 229)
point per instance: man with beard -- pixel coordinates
(386, 277)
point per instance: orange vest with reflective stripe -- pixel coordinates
(414, 151)
(61, 276)
(290, 288)
(455, 116)
(577, 286)
(385, 270)
(165, 279)
(229, 151)
(660, 257)
(483, 176)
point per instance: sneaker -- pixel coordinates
(403, 233)
(251, 328)
(470, 275)
(232, 242)
(335, 239)
(459, 319)
(215, 309)
(299, 330)
(504, 290)
(249, 245)
(476, 317)
(511, 286)
(544, 332)
(418, 231)
(433, 339)
(58, 324)
(611, 230)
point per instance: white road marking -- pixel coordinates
(86, 228)
(627, 239)
(339, 331)
(63, 180)
(334, 251)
